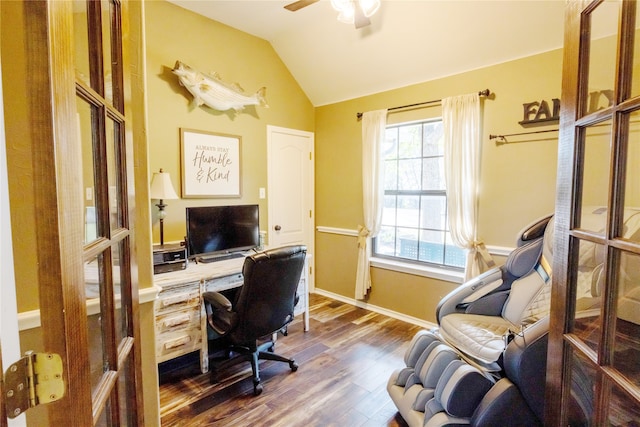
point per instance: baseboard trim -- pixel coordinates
(377, 309)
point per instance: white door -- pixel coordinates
(9, 336)
(290, 188)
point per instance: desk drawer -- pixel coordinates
(178, 320)
(174, 344)
(178, 299)
(223, 283)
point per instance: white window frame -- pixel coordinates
(409, 265)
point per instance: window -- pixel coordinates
(414, 219)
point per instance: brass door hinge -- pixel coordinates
(31, 381)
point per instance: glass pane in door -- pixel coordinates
(622, 410)
(627, 343)
(635, 82)
(595, 184)
(81, 45)
(121, 289)
(581, 408)
(94, 279)
(113, 140)
(602, 55)
(106, 50)
(631, 227)
(85, 113)
(118, 293)
(590, 287)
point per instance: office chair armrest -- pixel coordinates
(217, 301)
(220, 316)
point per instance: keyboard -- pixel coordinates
(221, 257)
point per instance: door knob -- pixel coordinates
(277, 228)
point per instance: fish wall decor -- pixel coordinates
(213, 92)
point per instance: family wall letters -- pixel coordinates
(542, 112)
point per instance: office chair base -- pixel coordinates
(238, 354)
(257, 389)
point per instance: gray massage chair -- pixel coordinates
(437, 388)
(485, 364)
(481, 316)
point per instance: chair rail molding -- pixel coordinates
(31, 319)
(493, 250)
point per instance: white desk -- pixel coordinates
(180, 320)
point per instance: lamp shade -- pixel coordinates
(161, 187)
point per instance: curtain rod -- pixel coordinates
(485, 92)
(504, 137)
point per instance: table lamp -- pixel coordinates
(161, 189)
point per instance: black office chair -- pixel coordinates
(263, 306)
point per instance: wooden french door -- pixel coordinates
(83, 180)
(593, 375)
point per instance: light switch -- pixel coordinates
(262, 193)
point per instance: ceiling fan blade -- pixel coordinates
(359, 19)
(297, 5)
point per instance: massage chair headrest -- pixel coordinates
(533, 231)
(530, 244)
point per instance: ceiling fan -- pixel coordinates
(297, 5)
(351, 11)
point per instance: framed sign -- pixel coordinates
(210, 164)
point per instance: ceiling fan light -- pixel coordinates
(346, 16)
(347, 9)
(341, 5)
(369, 7)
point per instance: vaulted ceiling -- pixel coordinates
(408, 41)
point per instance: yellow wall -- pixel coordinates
(209, 46)
(517, 179)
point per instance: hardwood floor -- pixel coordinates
(345, 361)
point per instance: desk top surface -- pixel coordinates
(200, 271)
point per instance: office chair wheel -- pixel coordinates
(293, 365)
(257, 389)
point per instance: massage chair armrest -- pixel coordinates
(458, 300)
(488, 305)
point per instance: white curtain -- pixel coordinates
(373, 131)
(462, 150)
